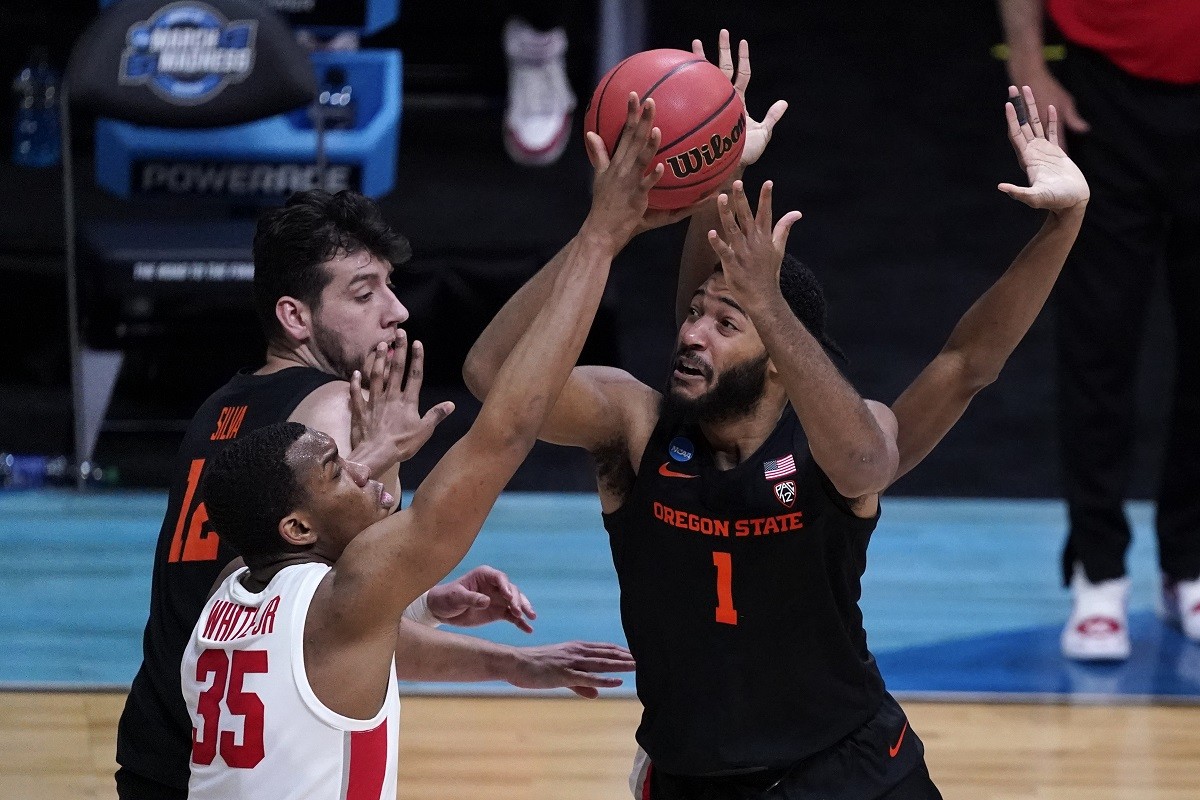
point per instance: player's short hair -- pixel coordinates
(803, 293)
(292, 242)
(250, 486)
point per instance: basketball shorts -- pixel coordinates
(882, 760)
(131, 786)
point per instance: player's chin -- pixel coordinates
(683, 386)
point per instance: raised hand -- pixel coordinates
(758, 134)
(483, 595)
(621, 187)
(1050, 91)
(573, 665)
(387, 418)
(1055, 183)
(750, 248)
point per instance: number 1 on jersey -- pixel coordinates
(726, 613)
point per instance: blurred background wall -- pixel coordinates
(892, 148)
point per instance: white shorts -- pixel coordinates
(639, 775)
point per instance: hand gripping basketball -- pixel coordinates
(701, 115)
(623, 183)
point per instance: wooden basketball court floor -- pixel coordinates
(961, 604)
(59, 746)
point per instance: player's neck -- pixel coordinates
(733, 441)
(282, 356)
(257, 577)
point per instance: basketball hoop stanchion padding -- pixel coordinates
(265, 161)
(209, 99)
(214, 131)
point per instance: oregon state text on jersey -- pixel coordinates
(154, 735)
(739, 599)
(258, 730)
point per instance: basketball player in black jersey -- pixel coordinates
(740, 502)
(324, 298)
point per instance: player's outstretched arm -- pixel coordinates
(424, 654)
(852, 441)
(697, 262)
(352, 622)
(592, 409)
(392, 562)
(988, 333)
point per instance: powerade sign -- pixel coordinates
(241, 180)
(188, 52)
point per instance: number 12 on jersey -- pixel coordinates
(726, 613)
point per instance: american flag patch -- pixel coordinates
(780, 467)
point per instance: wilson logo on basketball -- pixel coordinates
(689, 162)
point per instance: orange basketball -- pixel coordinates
(702, 119)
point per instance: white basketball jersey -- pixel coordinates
(258, 730)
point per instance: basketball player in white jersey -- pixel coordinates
(290, 674)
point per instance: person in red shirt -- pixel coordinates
(1130, 99)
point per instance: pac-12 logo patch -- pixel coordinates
(188, 52)
(681, 449)
(785, 492)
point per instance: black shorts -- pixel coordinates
(882, 760)
(131, 786)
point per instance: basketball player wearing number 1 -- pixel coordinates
(739, 502)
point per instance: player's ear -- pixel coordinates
(295, 530)
(295, 317)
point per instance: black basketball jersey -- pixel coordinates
(739, 599)
(154, 738)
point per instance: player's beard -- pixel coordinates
(735, 394)
(332, 350)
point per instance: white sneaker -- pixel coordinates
(537, 122)
(1098, 629)
(1181, 606)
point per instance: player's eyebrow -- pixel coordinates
(730, 302)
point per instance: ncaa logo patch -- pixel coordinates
(785, 492)
(188, 52)
(681, 449)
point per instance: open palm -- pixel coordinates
(1055, 183)
(758, 134)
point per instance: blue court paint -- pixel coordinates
(1026, 664)
(960, 596)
